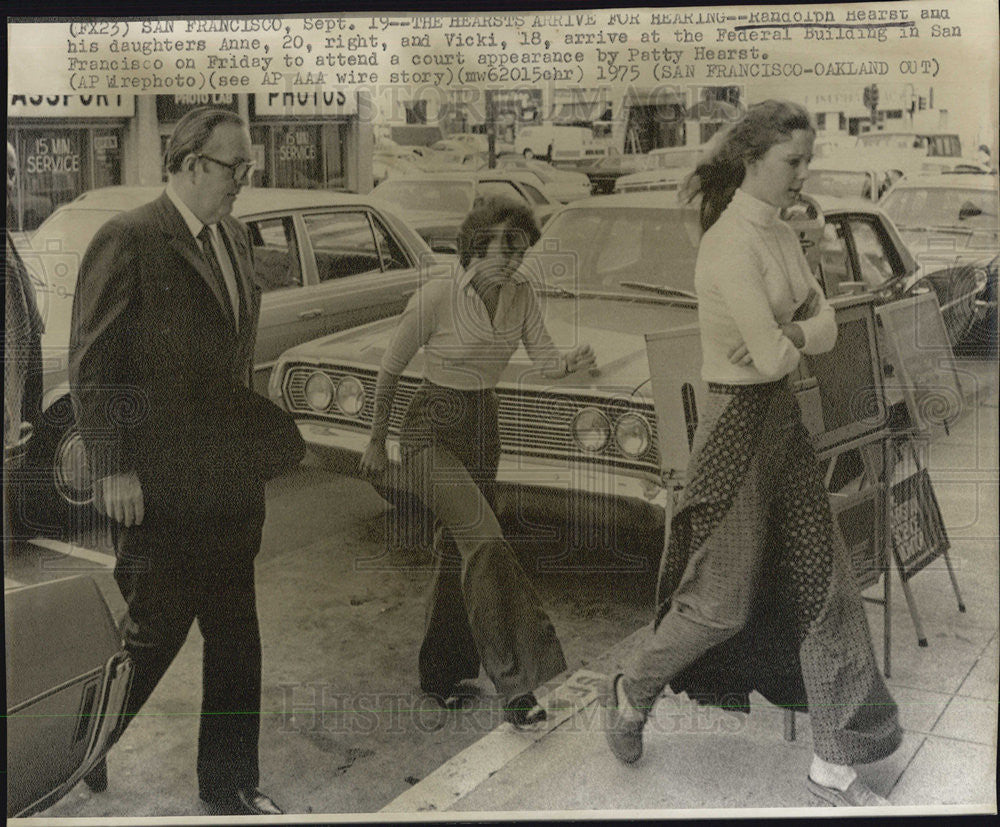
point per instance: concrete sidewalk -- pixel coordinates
(703, 757)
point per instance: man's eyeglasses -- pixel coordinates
(239, 169)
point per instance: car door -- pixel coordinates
(323, 271)
(287, 311)
(359, 270)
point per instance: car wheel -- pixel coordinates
(54, 492)
(529, 154)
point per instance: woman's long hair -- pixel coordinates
(721, 172)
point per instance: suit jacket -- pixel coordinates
(23, 328)
(159, 373)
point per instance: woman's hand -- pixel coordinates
(374, 461)
(739, 355)
(806, 310)
(579, 358)
(794, 332)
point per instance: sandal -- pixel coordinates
(524, 711)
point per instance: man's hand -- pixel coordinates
(120, 497)
(739, 355)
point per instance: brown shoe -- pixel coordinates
(857, 794)
(624, 735)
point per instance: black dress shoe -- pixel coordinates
(243, 802)
(97, 778)
(524, 711)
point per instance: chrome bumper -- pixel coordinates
(341, 449)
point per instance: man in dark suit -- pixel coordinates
(164, 321)
(22, 356)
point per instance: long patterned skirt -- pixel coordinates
(756, 591)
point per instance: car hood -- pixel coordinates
(614, 327)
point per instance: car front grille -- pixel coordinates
(532, 423)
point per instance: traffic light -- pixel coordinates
(871, 97)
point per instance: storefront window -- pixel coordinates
(299, 155)
(59, 163)
(107, 155)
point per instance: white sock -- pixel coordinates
(838, 776)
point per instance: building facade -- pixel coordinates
(68, 144)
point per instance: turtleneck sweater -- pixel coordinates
(750, 278)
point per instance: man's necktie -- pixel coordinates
(228, 286)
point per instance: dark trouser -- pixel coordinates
(171, 575)
(482, 606)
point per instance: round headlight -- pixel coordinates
(632, 434)
(350, 396)
(591, 429)
(319, 391)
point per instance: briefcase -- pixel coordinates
(67, 683)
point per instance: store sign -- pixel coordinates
(53, 154)
(70, 106)
(305, 104)
(298, 145)
(170, 108)
(852, 101)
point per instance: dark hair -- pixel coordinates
(480, 227)
(192, 133)
(721, 172)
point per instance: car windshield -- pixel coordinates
(429, 195)
(957, 208)
(626, 249)
(841, 183)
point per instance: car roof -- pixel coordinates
(654, 199)
(937, 180)
(250, 200)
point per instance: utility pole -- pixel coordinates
(491, 127)
(871, 101)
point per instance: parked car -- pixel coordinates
(325, 261)
(666, 162)
(670, 166)
(435, 204)
(604, 172)
(449, 152)
(581, 454)
(67, 682)
(951, 225)
(559, 144)
(854, 178)
(921, 151)
(562, 184)
(395, 160)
